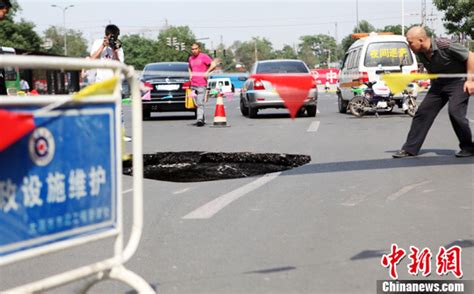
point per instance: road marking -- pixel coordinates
(405, 190)
(127, 191)
(471, 121)
(209, 209)
(355, 199)
(181, 191)
(313, 127)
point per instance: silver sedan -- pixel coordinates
(260, 94)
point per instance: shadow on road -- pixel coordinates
(447, 158)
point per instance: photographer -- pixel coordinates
(108, 48)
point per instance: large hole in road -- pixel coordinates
(195, 166)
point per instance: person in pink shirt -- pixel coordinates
(200, 66)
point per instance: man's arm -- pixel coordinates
(469, 84)
(212, 66)
(97, 49)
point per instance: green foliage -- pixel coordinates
(247, 52)
(76, 44)
(458, 16)
(140, 51)
(363, 27)
(286, 53)
(19, 35)
(317, 50)
(228, 61)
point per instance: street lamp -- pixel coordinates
(64, 8)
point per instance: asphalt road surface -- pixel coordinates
(319, 228)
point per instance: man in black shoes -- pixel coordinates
(441, 56)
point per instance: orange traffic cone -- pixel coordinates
(219, 116)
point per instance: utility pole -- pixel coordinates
(357, 16)
(256, 52)
(335, 31)
(64, 8)
(423, 13)
(403, 17)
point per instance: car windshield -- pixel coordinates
(388, 54)
(164, 69)
(282, 67)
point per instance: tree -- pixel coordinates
(228, 60)
(287, 52)
(18, 35)
(181, 34)
(76, 44)
(363, 27)
(317, 49)
(139, 51)
(458, 16)
(256, 49)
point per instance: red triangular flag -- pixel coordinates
(13, 126)
(292, 88)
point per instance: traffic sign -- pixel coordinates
(59, 182)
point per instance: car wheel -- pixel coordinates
(243, 108)
(253, 112)
(342, 105)
(357, 105)
(146, 114)
(311, 110)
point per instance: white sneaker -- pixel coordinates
(127, 139)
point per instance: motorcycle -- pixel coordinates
(379, 98)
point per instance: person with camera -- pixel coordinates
(108, 48)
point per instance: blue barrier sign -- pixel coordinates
(59, 182)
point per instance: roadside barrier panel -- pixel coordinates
(60, 174)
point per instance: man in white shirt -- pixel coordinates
(108, 48)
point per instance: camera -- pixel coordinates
(114, 43)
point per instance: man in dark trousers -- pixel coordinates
(441, 56)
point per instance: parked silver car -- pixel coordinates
(259, 94)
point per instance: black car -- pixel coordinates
(168, 82)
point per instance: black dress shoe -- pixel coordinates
(464, 153)
(200, 123)
(402, 154)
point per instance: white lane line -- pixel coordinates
(127, 191)
(209, 209)
(471, 121)
(181, 191)
(313, 127)
(355, 199)
(405, 190)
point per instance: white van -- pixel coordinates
(222, 83)
(369, 57)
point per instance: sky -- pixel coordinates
(212, 21)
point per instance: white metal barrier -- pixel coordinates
(113, 267)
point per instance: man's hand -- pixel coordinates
(469, 87)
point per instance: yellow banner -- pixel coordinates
(106, 87)
(397, 82)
